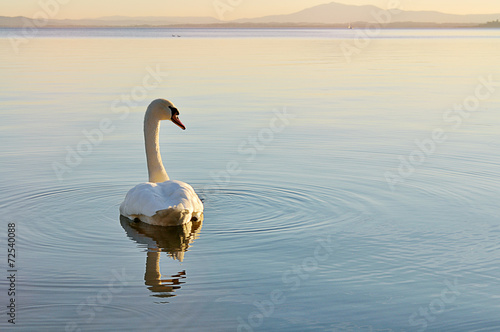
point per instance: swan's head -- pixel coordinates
(166, 110)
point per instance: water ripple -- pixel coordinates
(62, 217)
(265, 208)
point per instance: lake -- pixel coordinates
(350, 179)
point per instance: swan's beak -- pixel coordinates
(175, 119)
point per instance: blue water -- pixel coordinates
(349, 183)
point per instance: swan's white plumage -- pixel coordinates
(165, 203)
(161, 201)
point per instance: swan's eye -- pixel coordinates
(174, 110)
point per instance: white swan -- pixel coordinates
(161, 201)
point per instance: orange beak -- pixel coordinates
(175, 119)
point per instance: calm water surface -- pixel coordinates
(343, 191)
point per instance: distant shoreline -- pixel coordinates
(331, 15)
(355, 26)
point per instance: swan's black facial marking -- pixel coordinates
(175, 117)
(174, 110)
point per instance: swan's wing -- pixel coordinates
(149, 198)
(181, 196)
(143, 199)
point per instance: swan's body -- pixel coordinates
(161, 201)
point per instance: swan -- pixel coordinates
(161, 201)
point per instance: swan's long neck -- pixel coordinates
(156, 170)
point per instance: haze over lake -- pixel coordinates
(349, 184)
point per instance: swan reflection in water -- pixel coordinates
(174, 240)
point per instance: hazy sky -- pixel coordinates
(238, 8)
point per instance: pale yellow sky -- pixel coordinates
(234, 8)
